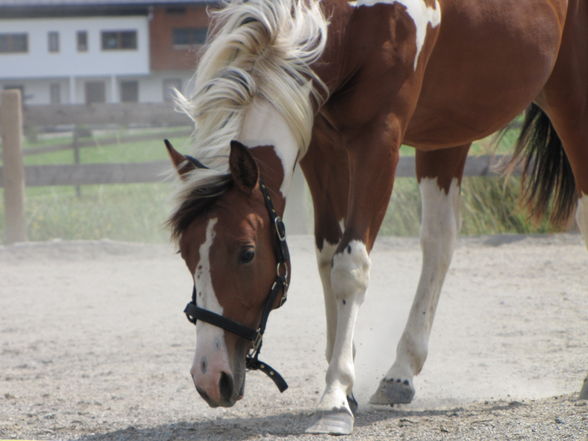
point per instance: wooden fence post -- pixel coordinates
(295, 215)
(13, 170)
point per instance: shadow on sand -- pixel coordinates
(279, 425)
(237, 429)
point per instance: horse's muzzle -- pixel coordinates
(223, 391)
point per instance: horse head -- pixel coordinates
(229, 236)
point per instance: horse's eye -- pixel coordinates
(247, 255)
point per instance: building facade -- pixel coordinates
(99, 51)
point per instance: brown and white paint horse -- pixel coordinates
(337, 86)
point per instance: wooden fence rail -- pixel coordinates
(106, 141)
(91, 174)
(120, 114)
(14, 177)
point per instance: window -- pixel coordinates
(82, 41)
(14, 43)
(188, 36)
(95, 92)
(168, 88)
(114, 40)
(53, 40)
(129, 91)
(55, 93)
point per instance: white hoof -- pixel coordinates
(335, 422)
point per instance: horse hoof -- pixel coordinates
(584, 391)
(336, 422)
(352, 404)
(393, 391)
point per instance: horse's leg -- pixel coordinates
(371, 174)
(439, 175)
(328, 186)
(571, 127)
(570, 121)
(565, 100)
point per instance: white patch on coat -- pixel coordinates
(421, 14)
(582, 217)
(439, 229)
(210, 342)
(349, 281)
(263, 126)
(351, 269)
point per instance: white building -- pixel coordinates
(95, 51)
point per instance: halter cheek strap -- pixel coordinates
(194, 312)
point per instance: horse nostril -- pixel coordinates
(226, 386)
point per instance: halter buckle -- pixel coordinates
(282, 270)
(280, 228)
(283, 299)
(256, 344)
(189, 310)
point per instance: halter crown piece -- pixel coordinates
(194, 312)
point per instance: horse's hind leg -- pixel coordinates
(575, 142)
(565, 100)
(570, 119)
(439, 175)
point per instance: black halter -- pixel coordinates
(280, 285)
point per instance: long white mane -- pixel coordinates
(256, 48)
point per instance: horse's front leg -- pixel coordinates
(372, 162)
(439, 175)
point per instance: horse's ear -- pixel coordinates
(243, 167)
(182, 164)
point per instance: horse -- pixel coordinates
(336, 87)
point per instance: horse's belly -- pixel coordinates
(491, 60)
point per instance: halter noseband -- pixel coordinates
(194, 312)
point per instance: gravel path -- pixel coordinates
(93, 346)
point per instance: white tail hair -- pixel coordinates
(256, 48)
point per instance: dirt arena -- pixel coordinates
(93, 346)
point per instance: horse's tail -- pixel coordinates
(547, 178)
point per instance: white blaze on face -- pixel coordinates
(211, 352)
(421, 14)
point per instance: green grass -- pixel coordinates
(487, 206)
(143, 151)
(133, 212)
(137, 212)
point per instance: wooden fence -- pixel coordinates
(129, 173)
(13, 172)
(14, 176)
(120, 114)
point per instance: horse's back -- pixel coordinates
(491, 59)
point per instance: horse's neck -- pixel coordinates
(264, 126)
(336, 64)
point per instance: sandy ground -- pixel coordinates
(93, 346)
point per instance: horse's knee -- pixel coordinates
(351, 271)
